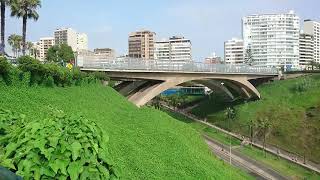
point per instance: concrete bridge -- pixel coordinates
(142, 80)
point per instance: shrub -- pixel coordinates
(59, 147)
(5, 69)
(36, 69)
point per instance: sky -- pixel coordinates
(207, 23)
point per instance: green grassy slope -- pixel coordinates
(145, 143)
(288, 110)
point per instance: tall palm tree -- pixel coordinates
(29, 47)
(15, 42)
(3, 4)
(25, 9)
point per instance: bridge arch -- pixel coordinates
(140, 95)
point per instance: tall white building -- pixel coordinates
(82, 41)
(177, 49)
(234, 51)
(306, 50)
(313, 28)
(42, 47)
(273, 39)
(66, 36)
(77, 41)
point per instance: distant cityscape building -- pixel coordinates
(313, 28)
(306, 50)
(273, 39)
(234, 51)
(42, 47)
(177, 49)
(141, 44)
(82, 41)
(214, 59)
(100, 55)
(77, 41)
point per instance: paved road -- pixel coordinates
(256, 169)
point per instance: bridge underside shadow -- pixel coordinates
(141, 91)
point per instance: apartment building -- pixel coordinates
(77, 41)
(234, 52)
(313, 28)
(306, 50)
(107, 52)
(82, 41)
(141, 44)
(42, 47)
(273, 39)
(177, 50)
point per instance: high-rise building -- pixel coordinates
(77, 41)
(82, 41)
(273, 39)
(313, 28)
(234, 51)
(180, 49)
(177, 49)
(141, 44)
(306, 50)
(42, 47)
(66, 36)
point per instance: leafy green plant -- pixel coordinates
(5, 68)
(58, 147)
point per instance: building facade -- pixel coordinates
(77, 41)
(66, 36)
(234, 52)
(177, 50)
(107, 52)
(141, 44)
(306, 50)
(82, 41)
(273, 39)
(214, 59)
(313, 28)
(42, 47)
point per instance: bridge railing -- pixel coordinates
(154, 65)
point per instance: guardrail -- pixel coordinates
(154, 65)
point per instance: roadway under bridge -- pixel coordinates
(142, 80)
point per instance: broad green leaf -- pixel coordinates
(75, 148)
(74, 169)
(10, 149)
(53, 141)
(8, 164)
(47, 171)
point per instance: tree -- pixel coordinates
(3, 4)
(230, 115)
(29, 47)
(58, 53)
(15, 42)
(25, 9)
(248, 57)
(264, 125)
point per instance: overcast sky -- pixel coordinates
(208, 23)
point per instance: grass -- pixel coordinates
(285, 106)
(282, 166)
(144, 143)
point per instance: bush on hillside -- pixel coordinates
(59, 147)
(5, 68)
(51, 74)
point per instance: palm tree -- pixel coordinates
(25, 9)
(3, 4)
(29, 47)
(15, 42)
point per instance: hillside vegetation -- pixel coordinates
(143, 143)
(291, 107)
